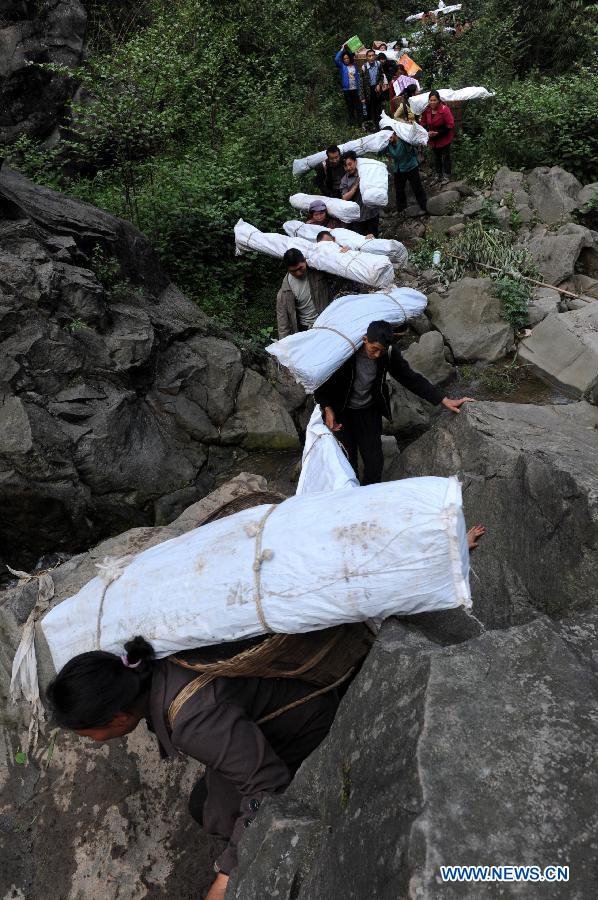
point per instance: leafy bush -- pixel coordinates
(514, 296)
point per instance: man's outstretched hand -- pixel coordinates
(330, 419)
(218, 889)
(455, 405)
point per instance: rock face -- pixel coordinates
(529, 473)
(134, 837)
(427, 357)
(547, 194)
(564, 348)
(112, 395)
(442, 204)
(458, 755)
(468, 317)
(31, 99)
(560, 253)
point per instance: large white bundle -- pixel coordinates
(411, 133)
(441, 10)
(373, 182)
(365, 268)
(324, 466)
(312, 356)
(369, 143)
(396, 252)
(345, 210)
(322, 559)
(248, 238)
(419, 102)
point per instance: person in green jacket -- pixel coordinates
(405, 169)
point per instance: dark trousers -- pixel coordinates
(374, 107)
(368, 226)
(414, 179)
(362, 433)
(353, 107)
(442, 160)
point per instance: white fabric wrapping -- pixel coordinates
(345, 210)
(313, 561)
(365, 268)
(411, 133)
(373, 182)
(312, 356)
(442, 9)
(396, 252)
(324, 466)
(419, 102)
(248, 238)
(369, 143)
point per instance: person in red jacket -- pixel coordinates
(438, 121)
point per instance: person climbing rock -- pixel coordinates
(356, 396)
(369, 216)
(350, 84)
(318, 215)
(303, 295)
(405, 168)
(329, 173)
(252, 732)
(438, 121)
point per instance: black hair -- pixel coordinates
(350, 154)
(292, 257)
(92, 688)
(435, 94)
(380, 332)
(383, 57)
(322, 235)
(347, 52)
(410, 90)
(401, 66)
(332, 149)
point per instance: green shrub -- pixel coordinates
(514, 295)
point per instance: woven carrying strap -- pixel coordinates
(324, 659)
(336, 331)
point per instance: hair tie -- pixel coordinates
(129, 665)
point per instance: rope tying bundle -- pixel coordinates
(336, 331)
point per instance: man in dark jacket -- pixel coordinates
(371, 80)
(329, 173)
(303, 295)
(356, 396)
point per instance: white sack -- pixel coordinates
(411, 133)
(324, 466)
(345, 210)
(419, 102)
(365, 268)
(373, 182)
(248, 238)
(312, 356)
(323, 559)
(396, 252)
(369, 143)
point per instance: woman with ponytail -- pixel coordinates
(252, 733)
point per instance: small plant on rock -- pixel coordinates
(514, 295)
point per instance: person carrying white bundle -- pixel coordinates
(351, 265)
(304, 293)
(313, 356)
(323, 159)
(373, 182)
(356, 397)
(324, 464)
(340, 209)
(411, 133)
(368, 222)
(419, 102)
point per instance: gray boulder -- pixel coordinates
(544, 302)
(560, 253)
(529, 473)
(441, 224)
(553, 192)
(564, 348)
(427, 357)
(479, 753)
(468, 316)
(587, 193)
(442, 204)
(111, 394)
(32, 100)
(472, 206)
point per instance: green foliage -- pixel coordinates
(514, 295)
(75, 325)
(422, 255)
(478, 247)
(20, 758)
(497, 379)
